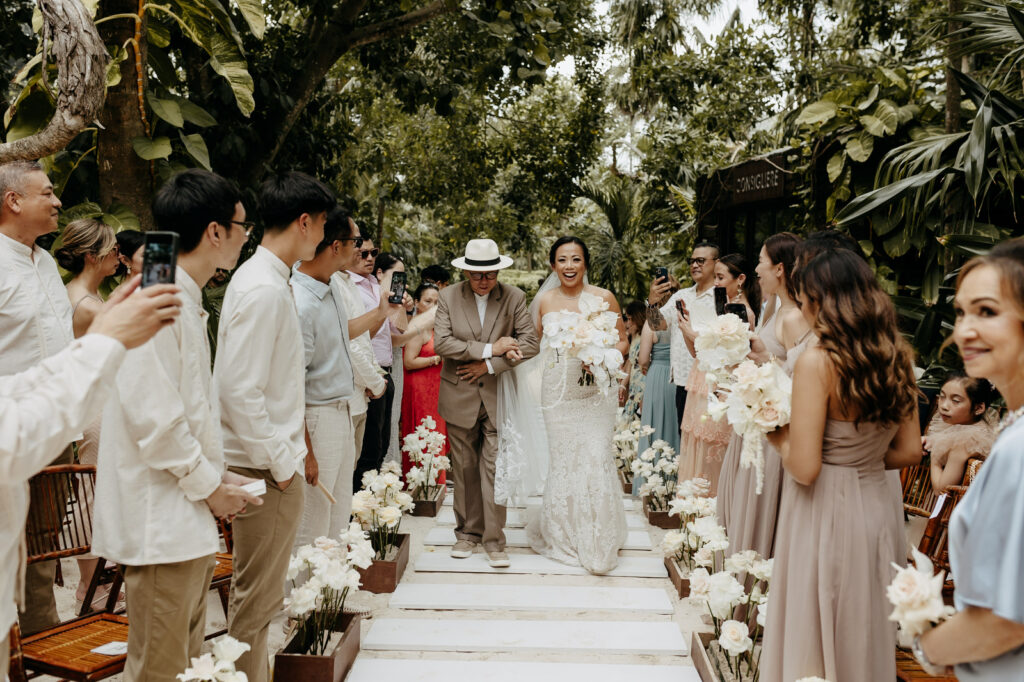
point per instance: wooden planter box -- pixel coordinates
(291, 666)
(660, 519)
(699, 655)
(429, 507)
(675, 574)
(627, 482)
(382, 576)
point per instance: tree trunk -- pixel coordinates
(952, 87)
(71, 37)
(124, 177)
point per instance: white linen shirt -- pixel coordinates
(41, 410)
(161, 453)
(35, 313)
(481, 311)
(680, 359)
(365, 370)
(260, 370)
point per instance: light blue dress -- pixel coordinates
(986, 550)
(659, 410)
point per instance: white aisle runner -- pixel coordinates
(455, 619)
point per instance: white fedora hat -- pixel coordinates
(482, 256)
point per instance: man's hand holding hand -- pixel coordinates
(504, 345)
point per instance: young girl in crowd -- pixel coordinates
(959, 430)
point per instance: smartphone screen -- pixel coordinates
(397, 287)
(737, 309)
(159, 258)
(721, 299)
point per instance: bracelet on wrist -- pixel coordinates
(922, 659)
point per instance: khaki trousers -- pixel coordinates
(167, 610)
(478, 518)
(359, 429)
(330, 434)
(40, 603)
(264, 536)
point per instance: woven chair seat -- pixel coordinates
(909, 670)
(65, 651)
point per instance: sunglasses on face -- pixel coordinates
(369, 253)
(477, 276)
(700, 260)
(357, 241)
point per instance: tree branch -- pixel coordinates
(390, 28)
(81, 81)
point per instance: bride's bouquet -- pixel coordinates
(757, 401)
(723, 341)
(590, 336)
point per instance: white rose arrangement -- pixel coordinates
(722, 341)
(916, 595)
(424, 447)
(658, 465)
(219, 665)
(328, 570)
(591, 337)
(758, 400)
(379, 507)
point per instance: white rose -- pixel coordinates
(227, 649)
(700, 584)
(724, 593)
(405, 501)
(672, 543)
(363, 501)
(304, 599)
(917, 596)
(762, 612)
(741, 562)
(389, 516)
(762, 570)
(735, 638)
(705, 557)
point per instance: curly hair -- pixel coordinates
(857, 328)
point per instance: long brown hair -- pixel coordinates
(781, 248)
(857, 328)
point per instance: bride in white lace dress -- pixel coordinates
(581, 521)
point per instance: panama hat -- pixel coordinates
(482, 256)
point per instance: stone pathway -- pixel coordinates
(460, 619)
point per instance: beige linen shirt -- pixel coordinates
(679, 355)
(365, 370)
(260, 371)
(161, 453)
(41, 410)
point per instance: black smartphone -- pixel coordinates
(737, 309)
(660, 273)
(721, 299)
(680, 308)
(159, 258)
(397, 287)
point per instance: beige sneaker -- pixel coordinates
(498, 559)
(463, 549)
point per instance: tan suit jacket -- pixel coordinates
(459, 338)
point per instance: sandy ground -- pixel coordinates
(686, 615)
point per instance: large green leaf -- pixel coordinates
(835, 166)
(227, 61)
(860, 147)
(167, 109)
(866, 203)
(196, 148)
(194, 114)
(817, 113)
(976, 149)
(252, 12)
(968, 244)
(866, 103)
(157, 148)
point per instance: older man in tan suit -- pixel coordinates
(481, 329)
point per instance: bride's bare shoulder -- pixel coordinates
(544, 301)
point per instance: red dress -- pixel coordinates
(420, 390)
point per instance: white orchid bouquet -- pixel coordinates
(758, 399)
(738, 609)
(916, 595)
(627, 442)
(379, 507)
(327, 571)
(722, 342)
(591, 337)
(424, 447)
(658, 465)
(219, 665)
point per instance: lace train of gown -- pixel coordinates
(581, 521)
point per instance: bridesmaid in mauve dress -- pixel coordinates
(840, 525)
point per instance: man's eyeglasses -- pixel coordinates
(247, 225)
(369, 253)
(358, 241)
(699, 260)
(477, 276)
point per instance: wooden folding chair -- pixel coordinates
(918, 496)
(223, 571)
(935, 541)
(909, 670)
(60, 526)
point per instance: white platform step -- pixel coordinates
(628, 567)
(516, 518)
(525, 636)
(420, 596)
(628, 503)
(419, 670)
(516, 537)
